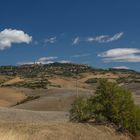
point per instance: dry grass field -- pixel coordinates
(18, 124)
(58, 131)
(47, 117)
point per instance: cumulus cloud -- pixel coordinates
(76, 41)
(121, 67)
(44, 60)
(105, 38)
(9, 36)
(50, 40)
(121, 55)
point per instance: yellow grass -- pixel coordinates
(58, 131)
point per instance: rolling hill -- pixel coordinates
(37, 98)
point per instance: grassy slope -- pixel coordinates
(17, 124)
(48, 125)
(58, 131)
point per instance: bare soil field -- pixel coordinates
(47, 117)
(68, 82)
(26, 116)
(53, 99)
(9, 97)
(87, 76)
(13, 81)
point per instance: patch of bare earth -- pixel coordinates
(54, 100)
(9, 97)
(13, 81)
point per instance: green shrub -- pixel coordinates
(91, 80)
(136, 121)
(29, 98)
(114, 103)
(34, 84)
(121, 80)
(67, 74)
(111, 104)
(53, 85)
(80, 110)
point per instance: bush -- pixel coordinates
(114, 103)
(121, 80)
(136, 120)
(29, 98)
(80, 110)
(91, 81)
(67, 74)
(111, 104)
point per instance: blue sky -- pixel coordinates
(101, 33)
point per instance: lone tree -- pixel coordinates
(110, 103)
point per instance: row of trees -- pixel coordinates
(109, 104)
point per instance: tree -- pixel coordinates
(112, 104)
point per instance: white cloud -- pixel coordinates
(9, 36)
(46, 62)
(35, 62)
(121, 55)
(50, 40)
(105, 38)
(44, 59)
(64, 61)
(25, 63)
(81, 55)
(76, 41)
(97, 39)
(119, 52)
(121, 67)
(115, 37)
